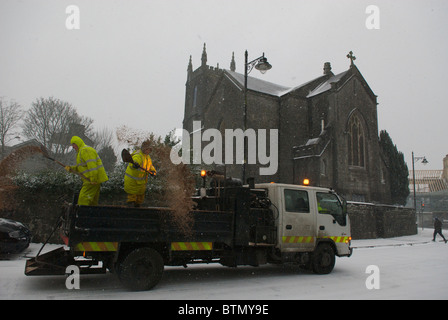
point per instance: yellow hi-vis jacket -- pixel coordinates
(88, 162)
(135, 179)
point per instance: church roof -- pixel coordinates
(258, 85)
(325, 86)
(277, 90)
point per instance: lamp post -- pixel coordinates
(424, 161)
(262, 65)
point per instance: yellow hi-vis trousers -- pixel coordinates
(136, 198)
(89, 194)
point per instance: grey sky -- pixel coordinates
(127, 63)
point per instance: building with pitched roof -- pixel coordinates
(431, 189)
(327, 127)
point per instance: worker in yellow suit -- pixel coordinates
(136, 176)
(88, 164)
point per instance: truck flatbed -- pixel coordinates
(255, 225)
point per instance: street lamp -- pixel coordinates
(424, 161)
(262, 65)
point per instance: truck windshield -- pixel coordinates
(328, 203)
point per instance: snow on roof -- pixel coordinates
(312, 141)
(325, 86)
(273, 89)
(258, 85)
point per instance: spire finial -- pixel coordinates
(232, 63)
(189, 69)
(204, 56)
(190, 65)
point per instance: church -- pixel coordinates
(327, 128)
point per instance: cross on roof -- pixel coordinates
(351, 57)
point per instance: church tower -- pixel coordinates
(198, 88)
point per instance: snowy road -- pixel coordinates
(411, 267)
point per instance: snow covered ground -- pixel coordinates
(411, 267)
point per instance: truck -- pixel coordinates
(230, 223)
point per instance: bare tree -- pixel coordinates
(103, 142)
(103, 138)
(10, 115)
(52, 122)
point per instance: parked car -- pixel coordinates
(14, 236)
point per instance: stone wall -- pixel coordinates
(370, 221)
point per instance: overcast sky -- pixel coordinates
(127, 62)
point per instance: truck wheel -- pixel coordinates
(141, 270)
(323, 259)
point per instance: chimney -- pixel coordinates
(327, 69)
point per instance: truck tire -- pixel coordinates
(141, 270)
(323, 259)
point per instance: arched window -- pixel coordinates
(356, 142)
(195, 96)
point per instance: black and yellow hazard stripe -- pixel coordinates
(306, 239)
(191, 246)
(298, 239)
(97, 246)
(339, 239)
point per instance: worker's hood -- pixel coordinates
(78, 141)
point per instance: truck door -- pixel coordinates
(298, 223)
(332, 220)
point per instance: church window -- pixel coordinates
(195, 96)
(356, 140)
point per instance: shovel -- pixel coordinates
(127, 157)
(46, 155)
